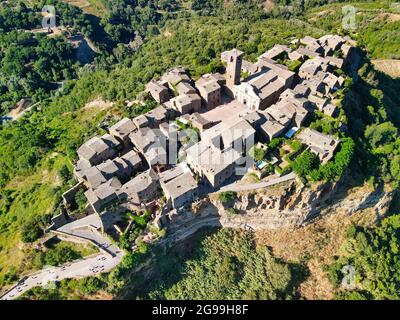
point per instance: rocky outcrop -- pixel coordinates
(290, 205)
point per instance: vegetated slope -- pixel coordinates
(373, 253)
(373, 110)
(33, 64)
(225, 265)
(29, 200)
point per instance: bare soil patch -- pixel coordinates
(167, 33)
(94, 7)
(390, 66)
(269, 5)
(98, 104)
(390, 17)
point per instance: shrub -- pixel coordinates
(65, 173)
(56, 256)
(81, 199)
(257, 154)
(233, 211)
(90, 285)
(9, 277)
(32, 230)
(305, 163)
(227, 196)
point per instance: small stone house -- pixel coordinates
(158, 92)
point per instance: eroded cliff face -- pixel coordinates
(292, 205)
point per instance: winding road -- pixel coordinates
(86, 267)
(108, 258)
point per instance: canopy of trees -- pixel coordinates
(374, 255)
(372, 107)
(32, 65)
(227, 265)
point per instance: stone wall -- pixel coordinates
(59, 220)
(69, 195)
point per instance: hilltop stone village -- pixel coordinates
(198, 140)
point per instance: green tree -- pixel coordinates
(305, 163)
(257, 154)
(31, 231)
(90, 285)
(374, 254)
(227, 196)
(81, 199)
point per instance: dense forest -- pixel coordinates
(32, 65)
(139, 40)
(226, 265)
(374, 255)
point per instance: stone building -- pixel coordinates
(210, 92)
(98, 149)
(158, 92)
(141, 189)
(211, 163)
(321, 144)
(271, 129)
(263, 89)
(179, 186)
(122, 129)
(185, 103)
(233, 68)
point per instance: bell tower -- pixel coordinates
(234, 68)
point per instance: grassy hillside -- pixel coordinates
(93, 7)
(37, 193)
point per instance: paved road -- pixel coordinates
(245, 187)
(87, 229)
(85, 267)
(89, 266)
